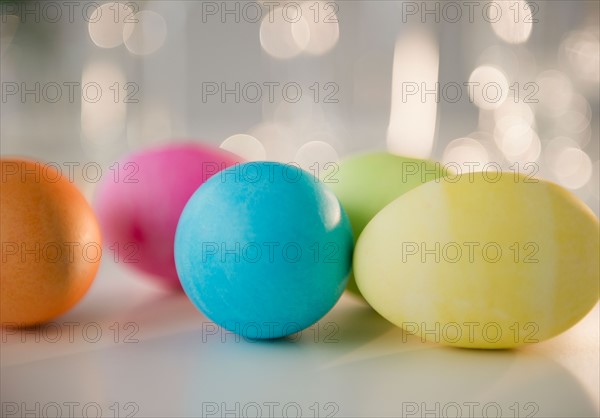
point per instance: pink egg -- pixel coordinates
(142, 196)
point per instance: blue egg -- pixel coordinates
(263, 249)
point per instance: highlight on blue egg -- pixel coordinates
(263, 249)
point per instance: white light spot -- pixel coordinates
(276, 36)
(319, 31)
(333, 215)
(106, 24)
(277, 140)
(466, 152)
(102, 116)
(576, 120)
(317, 157)
(411, 131)
(582, 51)
(512, 111)
(518, 142)
(573, 167)
(555, 146)
(488, 87)
(555, 93)
(147, 35)
(515, 22)
(246, 146)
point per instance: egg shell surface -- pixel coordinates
(51, 246)
(366, 183)
(139, 203)
(264, 249)
(482, 261)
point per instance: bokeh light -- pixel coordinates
(582, 51)
(519, 143)
(103, 110)
(277, 140)
(276, 37)
(572, 167)
(512, 21)
(511, 112)
(246, 146)
(107, 22)
(469, 153)
(318, 31)
(317, 157)
(146, 33)
(411, 130)
(554, 146)
(554, 94)
(567, 163)
(488, 87)
(575, 121)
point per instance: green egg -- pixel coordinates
(366, 183)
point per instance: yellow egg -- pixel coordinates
(50, 243)
(481, 261)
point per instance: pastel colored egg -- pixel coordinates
(51, 246)
(140, 200)
(264, 249)
(366, 183)
(484, 261)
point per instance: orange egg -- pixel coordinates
(50, 241)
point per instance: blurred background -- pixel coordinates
(477, 85)
(510, 84)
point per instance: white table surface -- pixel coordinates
(169, 360)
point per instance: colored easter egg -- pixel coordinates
(141, 198)
(51, 246)
(264, 249)
(366, 183)
(492, 260)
